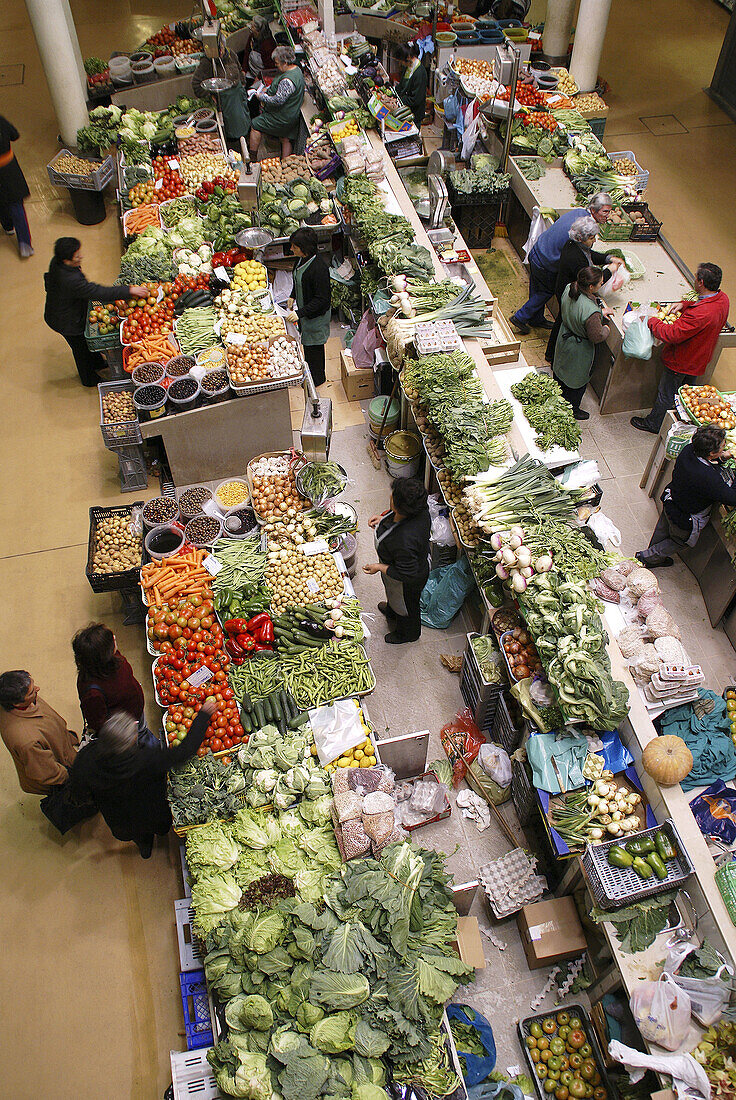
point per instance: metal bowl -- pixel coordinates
(319, 500)
(255, 238)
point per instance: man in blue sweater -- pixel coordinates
(544, 259)
(697, 484)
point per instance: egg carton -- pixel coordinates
(684, 674)
(511, 882)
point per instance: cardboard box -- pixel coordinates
(469, 943)
(663, 1094)
(356, 381)
(550, 932)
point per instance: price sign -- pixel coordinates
(312, 586)
(212, 565)
(158, 185)
(319, 546)
(222, 274)
(174, 164)
(201, 676)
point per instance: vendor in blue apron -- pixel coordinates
(698, 482)
(281, 104)
(312, 311)
(233, 100)
(402, 544)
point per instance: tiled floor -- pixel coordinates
(89, 980)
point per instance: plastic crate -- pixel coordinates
(95, 181)
(192, 1077)
(483, 712)
(476, 198)
(95, 341)
(477, 224)
(484, 690)
(196, 1008)
(109, 582)
(608, 232)
(191, 951)
(125, 433)
(642, 177)
(598, 126)
(639, 232)
(505, 730)
(132, 469)
(523, 794)
(612, 887)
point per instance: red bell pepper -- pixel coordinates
(260, 648)
(236, 626)
(235, 651)
(256, 623)
(266, 634)
(246, 642)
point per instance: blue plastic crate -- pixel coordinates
(196, 1007)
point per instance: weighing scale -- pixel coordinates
(249, 180)
(255, 241)
(316, 433)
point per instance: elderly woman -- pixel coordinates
(583, 326)
(402, 544)
(281, 103)
(576, 253)
(127, 780)
(259, 48)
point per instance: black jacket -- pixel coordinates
(68, 294)
(315, 288)
(13, 186)
(694, 487)
(130, 790)
(405, 550)
(572, 258)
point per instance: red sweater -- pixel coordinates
(691, 340)
(99, 698)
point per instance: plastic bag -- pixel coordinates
(444, 593)
(618, 280)
(461, 740)
(539, 225)
(495, 762)
(714, 809)
(637, 342)
(661, 1011)
(439, 514)
(708, 996)
(365, 342)
(476, 1068)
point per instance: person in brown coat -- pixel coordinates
(37, 738)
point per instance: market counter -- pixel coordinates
(620, 383)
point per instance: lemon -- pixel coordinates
(371, 761)
(343, 762)
(313, 750)
(365, 762)
(359, 754)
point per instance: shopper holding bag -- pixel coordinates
(583, 326)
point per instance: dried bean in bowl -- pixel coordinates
(148, 373)
(160, 510)
(203, 530)
(182, 389)
(191, 501)
(149, 396)
(179, 366)
(214, 381)
(117, 407)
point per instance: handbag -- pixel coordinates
(64, 809)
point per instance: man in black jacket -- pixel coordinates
(68, 294)
(697, 484)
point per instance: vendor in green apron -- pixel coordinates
(234, 100)
(313, 310)
(402, 545)
(412, 86)
(583, 314)
(281, 103)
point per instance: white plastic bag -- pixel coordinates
(637, 342)
(618, 280)
(661, 1011)
(495, 762)
(708, 996)
(441, 532)
(539, 225)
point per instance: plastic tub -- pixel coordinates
(207, 126)
(192, 500)
(119, 64)
(215, 386)
(376, 410)
(203, 530)
(240, 485)
(212, 358)
(348, 547)
(150, 402)
(163, 540)
(148, 374)
(403, 452)
(182, 394)
(142, 71)
(180, 120)
(539, 65)
(203, 113)
(165, 65)
(446, 38)
(141, 55)
(159, 512)
(240, 523)
(122, 80)
(179, 366)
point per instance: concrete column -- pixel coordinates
(75, 42)
(60, 56)
(557, 28)
(326, 12)
(590, 33)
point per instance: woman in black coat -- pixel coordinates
(127, 780)
(13, 190)
(577, 254)
(68, 295)
(402, 543)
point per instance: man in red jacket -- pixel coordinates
(689, 343)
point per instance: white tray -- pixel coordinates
(555, 456)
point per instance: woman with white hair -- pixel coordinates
(577, 252)
(281, 103)
(258, 53)
(126, 781)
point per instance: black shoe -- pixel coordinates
(396, 639)
(579, 414)
(544, 323)
(524, 330)
(659, 563)
(386, 610)
(145, 849)
(642, 425)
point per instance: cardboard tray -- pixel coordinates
(627, 778)
(523, 1026)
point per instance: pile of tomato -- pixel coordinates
(563, 1059)
(208, 187)
(142, 193)
(147, 317)
(540, 118)
(171, 185)
(189, 637)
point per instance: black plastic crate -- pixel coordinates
(523, 794)
(648, 232)
(475, 198)
(109, 582)
(507, 730)
(482, 712)
(477, 224)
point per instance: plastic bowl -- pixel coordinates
(241, 484)
(168, 510)
(446, 38)
(214, 531)
(163, 540)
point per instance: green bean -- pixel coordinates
(242, 563)
(335, 671)
(258, 677)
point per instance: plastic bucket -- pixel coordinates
(210, 395)
(214, 530)
(141, 55)
(403, 452)
(240, 523)
(165, 65)
(179, 366)
(182, 394)
(142, 71)
(207, 126)
(154, 394)
(153, 374)
(348, 547)
(165, 509)
(120, 64)
(163, 541)
(376, 410)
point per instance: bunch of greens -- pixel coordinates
(148, 258)
(547, 411)
(480, 181)
(538, 140)
(574, 555)
(204, 789)
(371, 278)
(530, 168)
(390, 237)
(102, 130)
(637, 926)
(94, 65)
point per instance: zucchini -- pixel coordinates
(284, 705)
(267, 712)
(245, 721)
(299, 721)
(247, 703)
(260, 720)
(293, 709)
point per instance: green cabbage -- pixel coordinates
(339, 990)
(334, 1033)
(213, 897)
(249, 1013)
(211, 846)
(265, 932)
(255, 830)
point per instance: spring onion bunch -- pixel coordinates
(501, 498)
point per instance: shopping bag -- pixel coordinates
(64, 809)
(461, 739)
(661, 1011)
(444, 593)
(708, 996)
(476, 1067)
(618, 280)
(539, 225)
(638, 341)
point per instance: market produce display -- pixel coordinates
(273, 488)
(571, 1059)
(706, 405)
(547, 411)
(117, 545)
